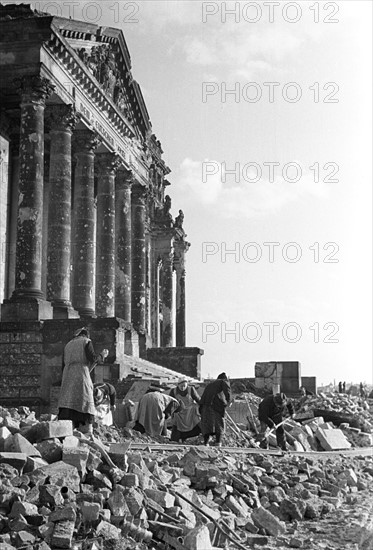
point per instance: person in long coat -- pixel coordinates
(186, 422)
(214, 401)
(152, 412)
(76, 402)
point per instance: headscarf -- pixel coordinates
(222, 376)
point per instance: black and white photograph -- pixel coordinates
(186, 275)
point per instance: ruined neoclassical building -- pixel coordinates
(87, 236)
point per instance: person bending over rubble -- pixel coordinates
(186, 422)
(271, 412)
(104, 395)
(152, 412)
(215, 399)
(76, 401)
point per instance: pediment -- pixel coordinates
(104, 52)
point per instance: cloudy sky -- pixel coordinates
(265, 119)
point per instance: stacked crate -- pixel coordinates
(277, 376)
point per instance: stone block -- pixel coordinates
(350, 476)
(76, 456)
(33, 463)
(260, 540)
(294, 508)
(90, 511)
(198, 539)
(236, 508)
(63, 534)
(251, 527)
(12, 424)
(98, 480)
(50, 450)
(290, 385)
(63, 475)
(266, 520)
(51, 495)
(17, 460)
(23, 509)
(277, 494)
(63, 514)
(50, 430)
(163, 498)
(71, 441)
(23, 539)
(94, 460)
(314, 508)
(130, 480)
(18, 444)
(135, 499)
(117, 503)
(332, 440)
(296, 542)
(5, 433)
(108, 531)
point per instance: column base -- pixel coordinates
(87, 313)
(26, 309)
(64, 312)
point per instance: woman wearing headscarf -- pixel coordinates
(104, 395)
(186, 422)
(215, 399)
(76, 400)
(152, 412)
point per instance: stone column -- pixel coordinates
(85, 142)
(33, 90)
(168, 305)
(123, 232)
(107, 164)
(180, 307)
(62, 120)
(12, 214)
(138, 258)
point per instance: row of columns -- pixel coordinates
(117, 269)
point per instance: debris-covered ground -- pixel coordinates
(60, 489)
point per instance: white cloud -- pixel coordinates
(245, 199)
(245, 54)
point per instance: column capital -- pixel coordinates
(33, 89)
(125, 178)
(107, 163)
(139, 194)
(61, 117)
(85, 141)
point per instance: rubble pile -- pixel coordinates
(343, 405)
(352, 415)
(60, 489)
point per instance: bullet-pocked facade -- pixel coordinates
(86, 229)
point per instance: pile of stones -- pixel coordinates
(345, 405)
(60, 489)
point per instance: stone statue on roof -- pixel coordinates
(179, 220)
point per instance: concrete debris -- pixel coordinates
(72, 497)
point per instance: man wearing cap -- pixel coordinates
(186, 421)
(76, 401)
(215, 399)
(271, 411)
